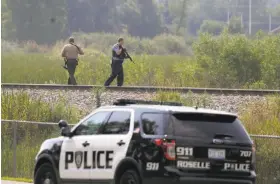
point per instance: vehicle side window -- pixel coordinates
(154, 123)
(92, 125)
(118, 123)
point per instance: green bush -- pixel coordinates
(235, 61)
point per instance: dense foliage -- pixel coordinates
(236, 61)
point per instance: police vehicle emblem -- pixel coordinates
(78, 159)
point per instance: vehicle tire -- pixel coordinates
(129, 177)
(45, 175)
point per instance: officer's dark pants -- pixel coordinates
(71, 65)
(117, 71)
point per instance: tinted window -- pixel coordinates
(207, 125)
(118, 123)
(154, 123)
(92, 125)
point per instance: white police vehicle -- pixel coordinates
(135, 142)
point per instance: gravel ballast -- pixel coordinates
(85, 100)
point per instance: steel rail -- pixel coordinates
(225, 91)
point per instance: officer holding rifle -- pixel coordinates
(119, 53)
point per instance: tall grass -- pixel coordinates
(29, 139)
(20, 106)
(95, 69)
(263, 117)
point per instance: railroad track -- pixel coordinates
(219, 91)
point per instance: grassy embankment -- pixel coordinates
(259, 118)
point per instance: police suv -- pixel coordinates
(135, 142)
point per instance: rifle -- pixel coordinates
(128, 56)
(125, 54)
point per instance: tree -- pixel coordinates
(206, 10)
(141, 17)
(8, 28)
(178, 14)
(150, 19)
(130, 17)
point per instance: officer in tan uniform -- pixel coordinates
(70, 52)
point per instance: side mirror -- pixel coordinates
(62, 124)
(65, 131)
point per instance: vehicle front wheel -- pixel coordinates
(129, 177)
(45, 175)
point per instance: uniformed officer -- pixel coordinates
(116, 64)
(70, 52)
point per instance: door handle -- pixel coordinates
(85, 144)
(120, 143)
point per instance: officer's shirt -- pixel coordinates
(71, 52)
(116, 48)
